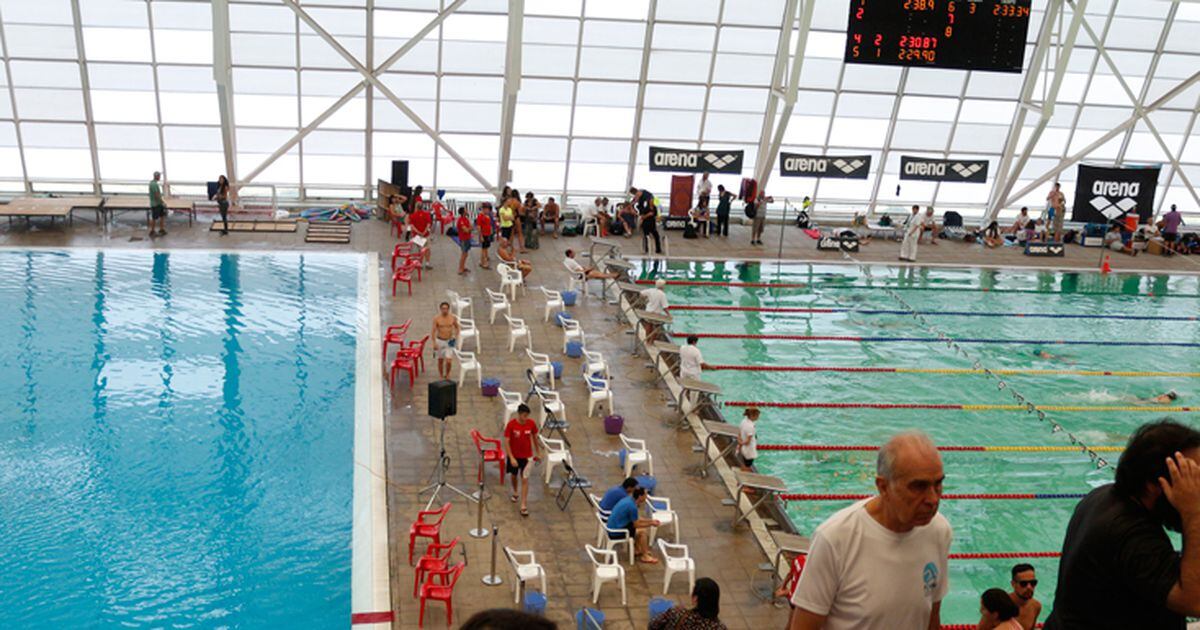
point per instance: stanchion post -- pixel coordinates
(479, 531)
(492, 578)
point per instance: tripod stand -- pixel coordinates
(438, 477)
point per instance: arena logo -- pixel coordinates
(722, 161)
(676, 160)
(1104, 194)
(943, 170)
(844, 167)
(688, 161)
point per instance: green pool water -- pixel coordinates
(979, 526)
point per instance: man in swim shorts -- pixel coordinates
(445, 331)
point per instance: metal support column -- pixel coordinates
(1007, 173)
(223, 76)
(766, 165)
(641, 93)
(776, 88)
(85, 84)
(512, 85)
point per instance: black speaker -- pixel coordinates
(400, 174)
(443, 399)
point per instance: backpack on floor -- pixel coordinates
(689, 230)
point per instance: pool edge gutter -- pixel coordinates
(370, 590)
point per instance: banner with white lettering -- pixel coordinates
(842, 167)
(935, 170)
(1107, 194)
(688, 161)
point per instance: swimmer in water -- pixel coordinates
(1041, 353)
(1161, 399)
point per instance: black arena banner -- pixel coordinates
(935, 170)
(1107, 194)
(839, 166)
(688, 161)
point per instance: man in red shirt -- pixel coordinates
(463, 227)
(521, 437)
(421, 221)
(484, 222)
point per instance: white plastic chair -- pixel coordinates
(517, 330)
(636, 453)
(598, 392)
(524, 571)
(511, 400)
(676, 559)
(602, 518)
(459, 304)
(660, 510)
(466, 363)
(554, 301)
(550, 402)
(611, 543)
(499, 304)
(571, 332)
(467, 332)
(605, 568)
(541, 366)
(575, 280)
(510, 279)
(556, 453)
(591, 224)
(594, 364)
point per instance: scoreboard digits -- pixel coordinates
(962, 34)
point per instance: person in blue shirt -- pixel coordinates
(616, 493)
(625, 517)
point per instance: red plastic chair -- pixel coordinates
(426, 529)
(395, 334)
(403, 274)
(412, 262)
(493, 454)
(443, 592)
(416, 351)
(400, 251)
(406, 363)
(436, 558)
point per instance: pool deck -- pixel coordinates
(558, 538)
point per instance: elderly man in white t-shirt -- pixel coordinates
(655, 298)
(880, 564)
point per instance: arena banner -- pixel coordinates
(688, 161)
(1106, 194)
(935, 170)
(841, 167)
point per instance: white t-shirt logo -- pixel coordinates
(930, 574)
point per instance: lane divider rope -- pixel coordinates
(1005, 555)
(900, 370)
(952, 449)
(998, 496)
(1023, 342)
(824, 287)
(866, 311)
(960, 407)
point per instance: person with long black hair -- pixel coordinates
(703, 615)
(222, 199)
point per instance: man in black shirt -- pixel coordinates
(1119, 569)
(724, 201)
(648, 215)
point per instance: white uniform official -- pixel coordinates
(913, 228)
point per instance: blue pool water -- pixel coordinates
(176, 436)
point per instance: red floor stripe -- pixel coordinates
(371, 617)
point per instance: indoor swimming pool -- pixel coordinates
(837, 360)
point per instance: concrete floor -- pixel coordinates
(558, 537)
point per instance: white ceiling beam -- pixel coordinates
(223, 76)
(766, 167)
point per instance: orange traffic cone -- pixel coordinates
(1105, 267)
